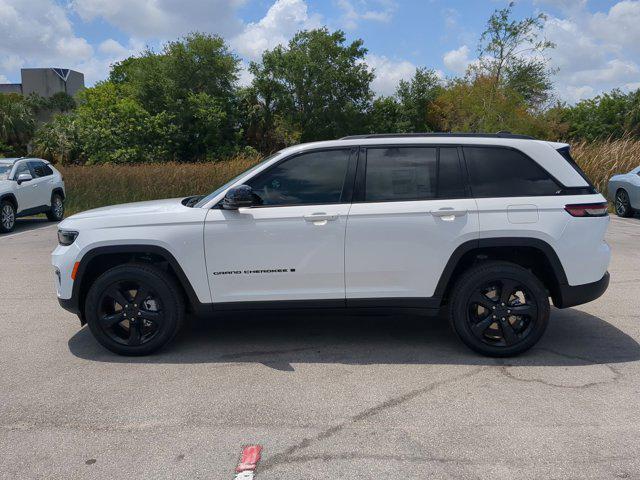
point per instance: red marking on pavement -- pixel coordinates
(250, 458)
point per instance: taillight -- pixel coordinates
(587, 210)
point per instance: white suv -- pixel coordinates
(489, 226)
(29, 186)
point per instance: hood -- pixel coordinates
(136, 208)
(155, 212)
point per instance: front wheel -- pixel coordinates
(134, 309)
(499, 309)
(623, 204)
(56, 212)
(7, 217)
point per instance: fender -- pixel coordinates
(74, 304)
(12, 198)
(59, 191)
(471, 245)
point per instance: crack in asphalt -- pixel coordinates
(617, 375)
(285, 456)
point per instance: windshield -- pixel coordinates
(5, 170)
(217, 191)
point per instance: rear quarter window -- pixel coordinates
(504, 172)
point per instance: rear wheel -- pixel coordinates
(56, 213)
(622, 204)
(134, 309)
(499, 309)
(7, 217)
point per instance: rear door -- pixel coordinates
(42, 182)
(411, 212)
(291, 245)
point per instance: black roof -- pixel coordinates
(440, 134)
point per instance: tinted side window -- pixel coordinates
(502, 172)
(400, 173)
(40, 169)
(310, 178)
(450, 180)
(21, 168)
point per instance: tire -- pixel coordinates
(7, 217)
(504, 288)
(622, 204)
(152, 314)
(56, 213)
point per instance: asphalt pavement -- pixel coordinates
(327, 396)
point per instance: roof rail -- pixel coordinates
(439, 134)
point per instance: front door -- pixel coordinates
(413, 211)
(26, 192)
(290, 245)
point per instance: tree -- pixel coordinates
(475, 105)
(610, 115)
(415, 96)
(318, 84)
(385, 115)
(17, 123)
(512, 53)
(194, 81)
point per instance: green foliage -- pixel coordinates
(192, 83)
(415, 96)
(512, 53)
(476, 105)
(610, 115)
(17, 123)
(318, 85)
(58, 140)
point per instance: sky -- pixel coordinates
(597, 41)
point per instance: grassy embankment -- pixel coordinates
(95, 186)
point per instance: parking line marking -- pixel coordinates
(2, 237)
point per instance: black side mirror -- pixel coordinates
(238, 197)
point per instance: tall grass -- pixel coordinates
(601, 160)
(100, 185)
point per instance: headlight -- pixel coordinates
(66, 237)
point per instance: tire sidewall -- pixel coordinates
(160, 283)
(481, 275)
(627, 208)
(52, 214)
(13, 226)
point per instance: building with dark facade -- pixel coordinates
(46, 82)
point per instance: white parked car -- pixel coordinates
(624, 192)
(490, 226)
(29, 186)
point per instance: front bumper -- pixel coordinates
(570, 296)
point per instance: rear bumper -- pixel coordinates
(569, 296)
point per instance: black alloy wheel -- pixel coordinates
(134, 309)
(499, 308)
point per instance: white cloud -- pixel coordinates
(457, 60)
(388, 73)
(3, 79)
(594, 51)
(283, 19)
(373, 10)
(163, 19)
(38, 33)
(112, 47)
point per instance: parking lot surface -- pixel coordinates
(327, 396)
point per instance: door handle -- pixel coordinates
(321, 217)
(448, 212)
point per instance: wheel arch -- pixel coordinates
(531, 253)
(11, 198)
(59, 191)
(100, 259)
